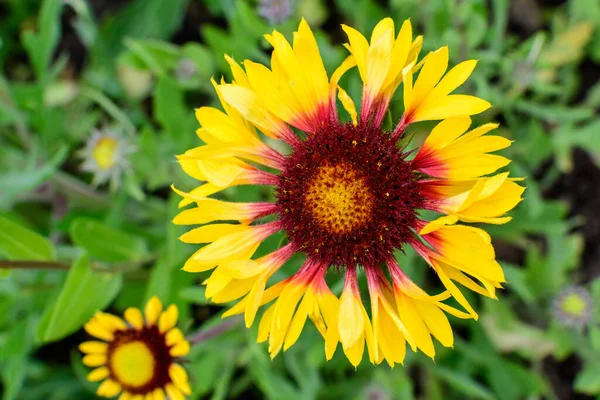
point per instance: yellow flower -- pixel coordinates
(346, 196)
(136, 357)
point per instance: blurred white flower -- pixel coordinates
(573, 307)
(276, 11)
(106, 156)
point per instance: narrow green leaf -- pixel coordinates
(15, 182)
(40, 46)
(464, 384)
(14, 356)
(18, 243)
(588, 380)
(83, 293)
(107, 244)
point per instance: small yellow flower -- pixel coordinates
(136, 357)
(347, 197)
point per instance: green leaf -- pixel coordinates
(15, 348)
(206, 370)
(171, 110)
(554, 113)
(595, 337)
(40, 46)
(84, 292)
(588, 380)
(18, 243)
(193, 295)
(15, 182)
(464, 384)
(107, 244)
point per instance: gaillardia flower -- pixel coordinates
(347, 196)
(137, 357)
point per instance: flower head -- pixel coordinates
(347, 197)
(137, 357)
(573, 307)
(106, 156)
(276, 11)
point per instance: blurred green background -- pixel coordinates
(69, 247)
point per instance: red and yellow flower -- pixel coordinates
(136, 358)
(346, 196)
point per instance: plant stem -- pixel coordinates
(206, 334)
(34, 264)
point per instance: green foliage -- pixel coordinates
(143, 66)
(84, 292)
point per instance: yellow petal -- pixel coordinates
(248, 104)
(378, 61)
(174, 336)
(350, 319)
(209, 210)
(446, 132)
(110, 322)
(108, 388)
(94, 328)
(125, 396)
(93, 347)
(236, 246)
(450, 106)
(348, 105)
(359, 48)
(210, 233)
(180, 349)
(456, 293)
(436, 322)
(173, 392)
(134, 317)
(234, 290)
(158, 394)
(455, 77)
(265, 324)
(254, 299)
(299, 319)
(411, 318)
(180, 378)
(168, 318)
(153, 310)
(431, 73)
(98, 374)
(354, 353)
(94, 360)
(438, 223)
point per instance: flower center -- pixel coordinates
(139, 360)
(339, 198)
(105, 152)
(574, 305)
(133, 363)
(347, 196)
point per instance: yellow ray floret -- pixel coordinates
(430, 98)
(484, 200)
(450, 153)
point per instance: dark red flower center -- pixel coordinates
(155, 344)
(347, 196)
